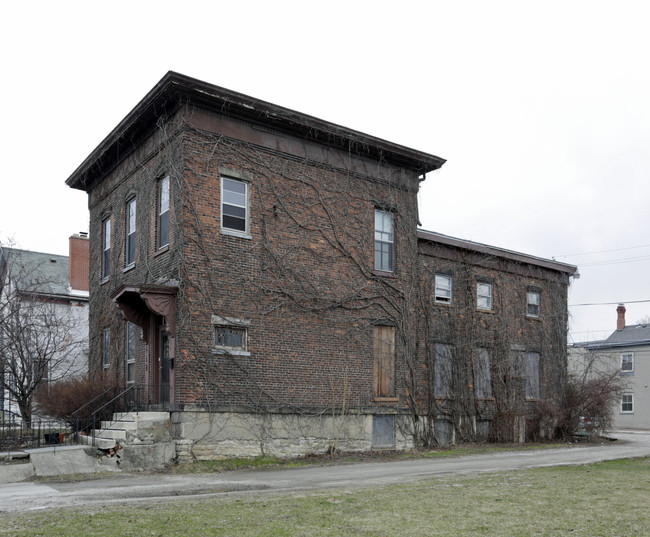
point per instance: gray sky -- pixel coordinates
(542, 111)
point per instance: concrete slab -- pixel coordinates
(67, 460)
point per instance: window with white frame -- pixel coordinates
(163, 212)
(130, 353)
(627, 362)
(533, 301)
(129, 245)
(484, 295)
(627, 403)
(483, 376)
(443, 288)
(106, 350)
(234, 205)
(106, 248)
(384, 238)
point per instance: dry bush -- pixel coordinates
(68, 399)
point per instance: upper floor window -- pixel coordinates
(129, 253)
(443, 285)
(163, 212)
(234, 205)
(384, 241)
(627, 362)
(533, 300)
(106, 248)
(106, 350)
(484, 295)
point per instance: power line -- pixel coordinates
(604, 251)
(615, 261)
(608, 303)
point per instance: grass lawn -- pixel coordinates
(605, 499)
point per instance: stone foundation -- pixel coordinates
(202, 435)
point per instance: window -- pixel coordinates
(383, 241)
(230, 337)
(627, 403)
(533, 303)
(443, 289)
(129, 253)
(106, 352)
(484, 296)
(163, 212)
(130, 353)
(627, 362)
(532, 375)
(483, 386)
(384, 353)
(234, 205)
(106, 248)
(442, 371)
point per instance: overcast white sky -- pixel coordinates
(542, 110)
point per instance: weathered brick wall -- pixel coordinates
(304, 281)
(503, 331)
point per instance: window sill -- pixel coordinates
(385, 399)
(105, 280)
(129, 268)
(482, 310)
(161, 251)
(384, 273)
(230, 351)
(534, 318)
(444, 304)
(627, 373)
(234, 233)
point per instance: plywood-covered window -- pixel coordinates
(384, 352)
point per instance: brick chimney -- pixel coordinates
(79, 262)
(620, 322)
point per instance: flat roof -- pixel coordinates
(175, 89)
(495, 251)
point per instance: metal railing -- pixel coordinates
(104, 410)
(17, 434)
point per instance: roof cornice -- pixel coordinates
(496, 252)
(175, 89)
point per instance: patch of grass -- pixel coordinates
(605, 499)
(350, 457)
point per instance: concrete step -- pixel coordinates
(103, 443)
(141, 416)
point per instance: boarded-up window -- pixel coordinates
(532, 375)
(384, 351)
(483, 377)
(443, 371)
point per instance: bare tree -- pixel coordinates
(39, 340)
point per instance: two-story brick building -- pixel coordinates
(260, 274)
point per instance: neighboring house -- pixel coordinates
(258, 273)
(626, 350)
(46, 297)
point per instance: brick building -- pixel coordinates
(260, 274)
